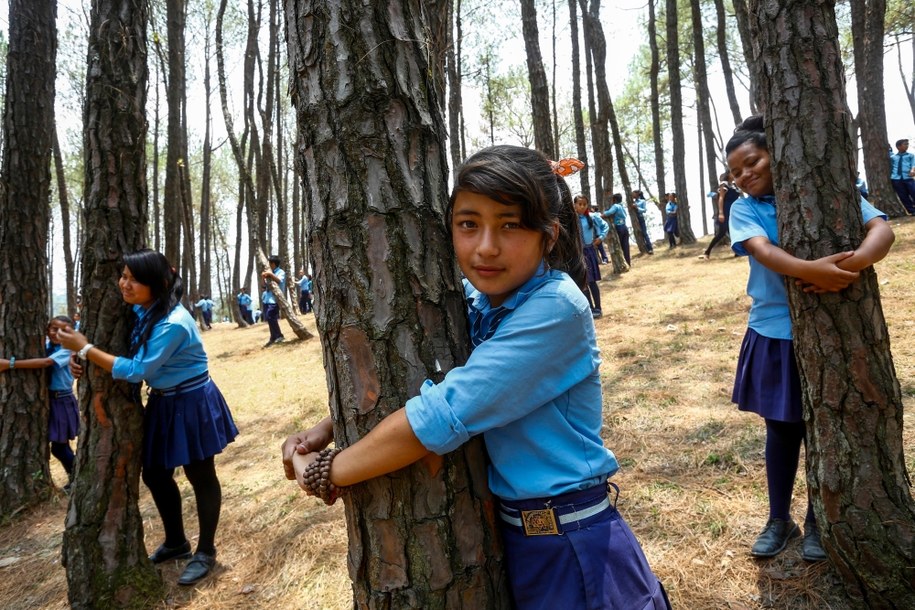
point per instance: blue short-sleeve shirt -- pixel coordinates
(61, 378)
(756, 217)
(588, 232)
(268, 297)
(172, 354)
(531, 387)
(618, 214)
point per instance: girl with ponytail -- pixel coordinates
(186, 421)
(531, 387)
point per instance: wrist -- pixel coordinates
(12, 362)
(83, 353)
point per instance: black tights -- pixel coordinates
(592, 292)
(783, 449)
(208, 493)
(63, 453)
(719, 235)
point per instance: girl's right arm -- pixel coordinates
(823, 273)
(31, 363)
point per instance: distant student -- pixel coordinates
(531, 387)
(244, 305)
(767, 380)
(271, 307)
(726, 196)
(205, 305)
(186, 421)
(593, 232)
(902, 174)
(641, 207)
(304, 285)
(616, 213)
(671, 225)
(63, 412)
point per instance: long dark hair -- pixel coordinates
(752, 129)
(513, 175)
(153, 270)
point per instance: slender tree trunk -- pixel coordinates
(656, 127)
(703, 97)
(103, 548)
(554, 104)
(676, 125)
(455, 103)
(907, 83)
(64, 198)
(173, 212)
(724, 58)
(581, 144)
(390, 316)
(206, 222)
(25, 186)
(596, 47)
(705, 199)
(852, 401)
(540, 91)
(740, 11)
(593, 124)
(867, 35)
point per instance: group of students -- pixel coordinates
(531, 386)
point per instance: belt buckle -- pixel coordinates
(541, 522)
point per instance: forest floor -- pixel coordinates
(692, 476)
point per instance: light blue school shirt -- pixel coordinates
(617, 213)
(268, 297)
(61, 378)
(900, 165)
(244, 299)
(642, 206)
(531, 387)
(601, 228)
(172, 354)
(671, 207)
(204, 304)
(756, 217)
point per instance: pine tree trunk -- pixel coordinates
(580, 143)
(724, 58)
(103, 548)
(852, 401)
(176, 156)
(455, 103)
(391, 308)
(64, 198)
(867, 36)
(676, 125)
(656, 127)
(540, 91)
(703, 104)
(25, 183)
(749, 54)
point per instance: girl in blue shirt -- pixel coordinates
(767, 381)
(593, 231)
(531, 387)
(672, 223)
(617, 214)
(63, 412)
(186, 421)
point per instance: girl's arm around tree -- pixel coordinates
(30, 363)
(876, 245)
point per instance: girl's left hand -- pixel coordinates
(72, 340)
(300, 462)
(596, 242)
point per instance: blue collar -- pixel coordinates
(480, 302)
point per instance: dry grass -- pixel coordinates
(692, 481)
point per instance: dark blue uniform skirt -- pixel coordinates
(594, 563)
(672, 225)
(185, 424)
(767, 381)
(591, 264)
(63, 417)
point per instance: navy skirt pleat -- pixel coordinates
(184, 428)
(767, 382)
(63, 419)
(591, 265)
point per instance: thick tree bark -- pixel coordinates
(724, 57)
(702, 102)
(867, 36)
(580, 143)
(540, 91)
(676, 125)
(206, 224)
(852, 401)
(750, 55)
(103, 548)
(455, 103)
(656, 127)
(593, 123)
(176, 156)
(391, 309)
(25, 186)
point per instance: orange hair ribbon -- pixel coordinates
(566, 167)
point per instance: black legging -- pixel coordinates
(783, 448)
(720, 233)
(207, 491)
(63, 453)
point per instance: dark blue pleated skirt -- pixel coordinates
(598, 565)
(767, 381)
(63, 417)
(184, 427)
(672, 225)
(591, 265)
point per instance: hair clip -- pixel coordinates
(566, 167)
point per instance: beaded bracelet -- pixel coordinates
(316, 477)
(12, 362)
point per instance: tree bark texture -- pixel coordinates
(867, 35)
(25, 186)
(724, 57)
(703, 97)
(540, 90)
(743, 29)
(64, 199)
(852, 400)
(176, 155)
(676, 125)
(654, 77)
(103, 548)
(391, 311)
(580, 144)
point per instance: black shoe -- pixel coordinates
(280, 340)
(596, 313)
(269, 343)
(812, 549)
(774, 538)
(197, 568)
(164, 553)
